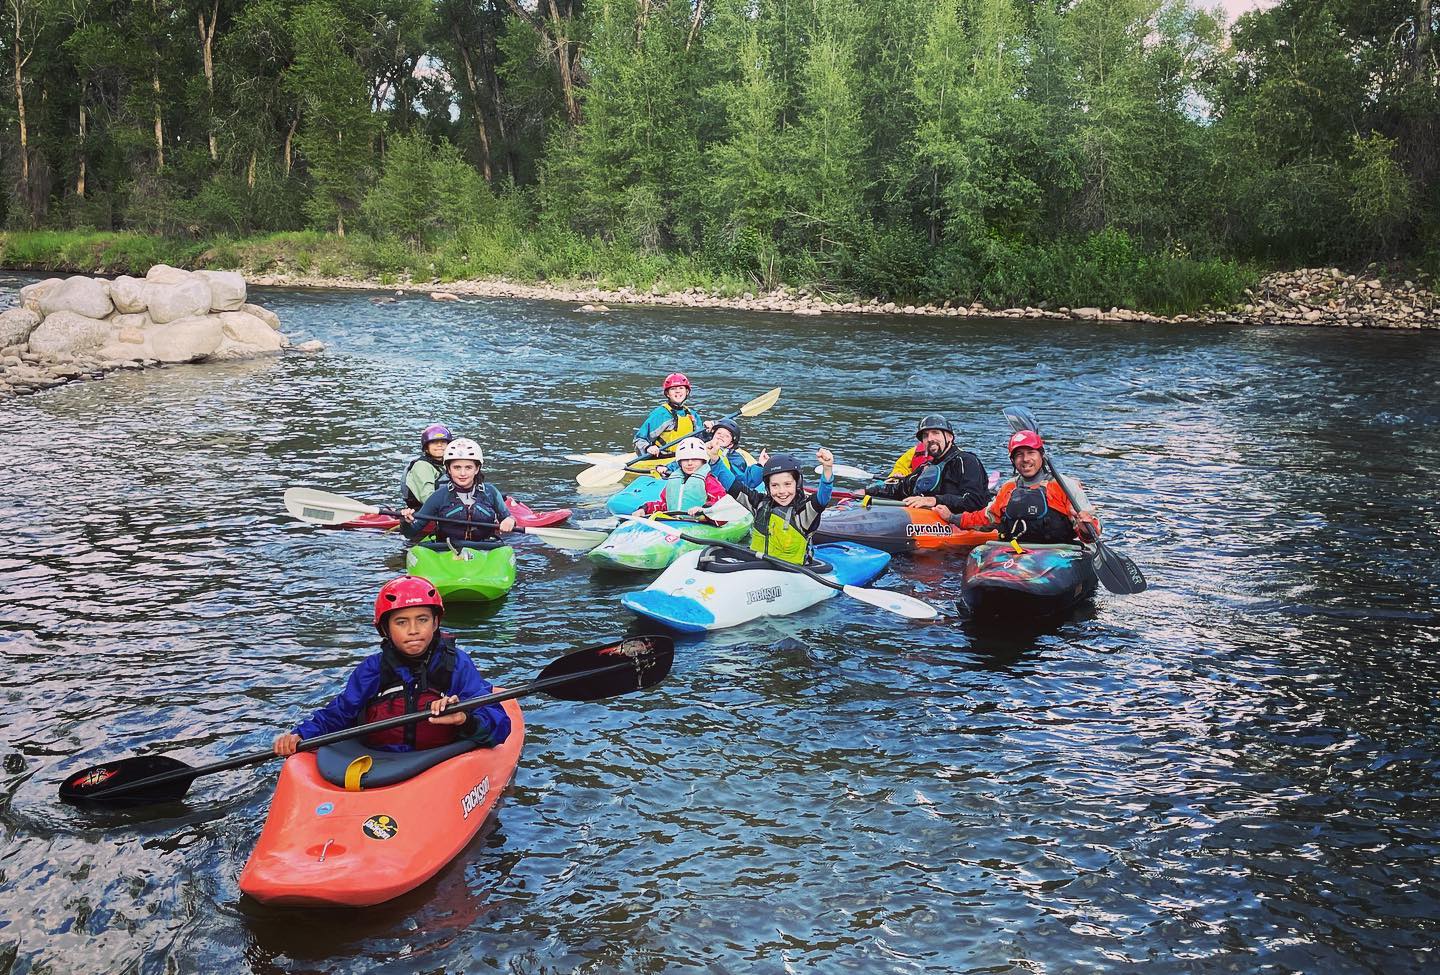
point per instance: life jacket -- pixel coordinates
(910, 461)
(410, 498)
(481, 509)
(775, 534)
(1029, 517)
(682, 424)
(395, 697)
(685, 491)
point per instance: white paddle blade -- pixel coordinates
(760, 404)
(572, 539)
(596, 457)
(845, 470)
(894, 602)
(601, 475)
(324, 508)
(726, 509)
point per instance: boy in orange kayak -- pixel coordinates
(418, 669)
(1032, 506)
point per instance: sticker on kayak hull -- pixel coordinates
(475, 797)
(325, 809)
(915, 531)
(767, 595)
(380, 827)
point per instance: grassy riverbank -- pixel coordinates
(1103, 270)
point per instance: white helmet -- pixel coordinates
(464, 449)
(691, 449)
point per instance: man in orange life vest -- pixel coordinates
(1032, 506)
(417, 669)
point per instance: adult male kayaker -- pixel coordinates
(671, 421)
(951, 479)
(465, 497)
(1031, 506)
(418, 669)
(785, 516)
(425, 471)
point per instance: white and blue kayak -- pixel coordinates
(709, 589)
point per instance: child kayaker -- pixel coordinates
(785, 516)
(425, 471)
(727, 434)
(671, 421)
(418, 669)
(464, 496)
(1032, 506)
(689, 485)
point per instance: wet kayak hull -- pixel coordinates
(1043, 581)
(470, 575)
(902, 531)
(690, 599)
(324, 846)
(635, 548)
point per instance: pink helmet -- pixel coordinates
(1026, 438)
(675, 379)
(403, 593)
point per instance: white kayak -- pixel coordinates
(730, 590)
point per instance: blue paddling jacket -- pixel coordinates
(676, 422)
(485, 505)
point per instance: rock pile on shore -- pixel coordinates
(1329, 296)
(80, 328)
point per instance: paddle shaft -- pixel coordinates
(359, 731)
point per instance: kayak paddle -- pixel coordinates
(886, 599)
(591, 674)
(323, 508)
(1117, 573)
(845, 470)
(614, 468)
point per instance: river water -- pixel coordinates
(1234, 771)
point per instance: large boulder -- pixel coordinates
(227, 290)
(185, 339)
(165, 274)
(31, 294)
(172, 302)
(16, 324)
(67, 332)
(82, 295)
(128, 294)
(140, 321)
(250, 332)
(264, 314)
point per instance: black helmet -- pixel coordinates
(780, 464)
(933, 422)
(732, 426)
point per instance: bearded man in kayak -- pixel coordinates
(951, 479)
(418, 668)
(671, 421)
(689, 484)
(424, 472)
(471, 507)
(785, 516)
(1032, 506)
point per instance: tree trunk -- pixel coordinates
(1424, 37)
(695, 23)
(159, 125)
(207, 51)
(479, 106)
(24, 130)
(492, 81)
(250, 172)
(80, 167)
(562, 57)
(289, 143)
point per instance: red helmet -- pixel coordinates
(675, 379)
(403, 593)
(1026, 438)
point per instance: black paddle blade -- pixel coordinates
(648, 659)
(1020, 418)
(128, 781)
(1117, 573)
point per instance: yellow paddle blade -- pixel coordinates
(760, 404)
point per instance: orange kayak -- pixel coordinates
(896, 529)
(324, 845)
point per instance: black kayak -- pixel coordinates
(1040, 581)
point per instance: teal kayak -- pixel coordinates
(635, 548)
(1040, 581)
(473, 574)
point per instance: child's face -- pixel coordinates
(411, 630)
(782, 488)
(677, 394)
(691, 466)
(462, 472)
(722, 437)
(436, 448)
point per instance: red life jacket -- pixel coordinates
(395, 697)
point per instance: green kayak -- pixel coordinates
(469, 575)
(635, 548)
